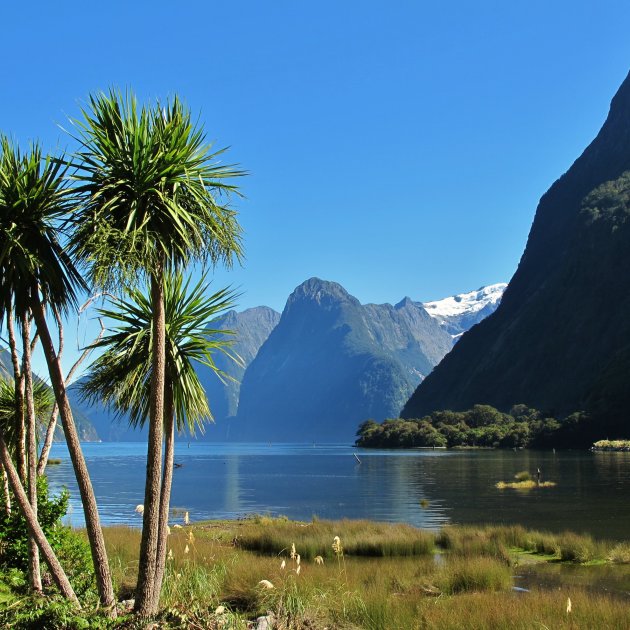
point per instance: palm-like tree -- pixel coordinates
(121, 376)
(36, 270)
(151, 190)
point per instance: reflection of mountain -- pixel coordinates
(560, 339)
(331, 363)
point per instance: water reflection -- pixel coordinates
(425, 488)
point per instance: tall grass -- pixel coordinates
(219, 567)
(360, 538)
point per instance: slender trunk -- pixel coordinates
(52, 423)
(165, 495)
(34, 527)
(145, 600)
(18, 379)
(48, 440)
(92, 522)
(6, 491)
(31, 428)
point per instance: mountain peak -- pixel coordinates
(458, 313)
(323, 292)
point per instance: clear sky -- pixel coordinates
(399, 148)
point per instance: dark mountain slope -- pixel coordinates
(560, 337)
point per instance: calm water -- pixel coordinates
(299, 481)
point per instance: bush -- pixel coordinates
(71, 547)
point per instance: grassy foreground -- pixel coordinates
(361, 574)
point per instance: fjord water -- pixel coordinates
(425, 488)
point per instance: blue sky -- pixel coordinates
(398, 148)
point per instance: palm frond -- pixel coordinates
(121, 376)
(35, 203)
(152, 190)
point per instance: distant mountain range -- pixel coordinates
(560, 340)
(316, 371)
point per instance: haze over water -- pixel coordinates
(425, 488)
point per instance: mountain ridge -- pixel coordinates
(556, 331)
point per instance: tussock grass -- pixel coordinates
(467, 586)
(580, 548)
(474, 575)
(360, 538)
(620, 554)
(469, 542)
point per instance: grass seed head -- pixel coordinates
(319, 560)
(337, 548)
(266, 584)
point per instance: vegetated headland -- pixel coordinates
(353, 574)
(481, 426)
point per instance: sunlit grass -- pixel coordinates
(245, 569)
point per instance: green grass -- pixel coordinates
(388, 577)
(359, 538)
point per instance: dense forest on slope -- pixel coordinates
(560, 340)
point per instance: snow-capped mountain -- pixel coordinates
(460, 312)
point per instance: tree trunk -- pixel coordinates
(165, 495)
(52, 423)
(145, 599)
(48, 440)
(90, 510)
(31, 428)
(18, 379)
(6, 491)
(34, 527)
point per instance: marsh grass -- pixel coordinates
(470, 585)
(479, 574)
(360, 538)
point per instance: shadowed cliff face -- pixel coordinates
(332, 362)
(563, 320)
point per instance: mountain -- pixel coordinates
(560, 339)
(331, 363)
(252, 327)
(459, 313)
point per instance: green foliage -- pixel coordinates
(55, 613)
(150, 190)
(121, 376)
(35, 202)
(482, 426)
(71, 547)
(13, 531)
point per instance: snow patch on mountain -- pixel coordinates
(459, 313)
